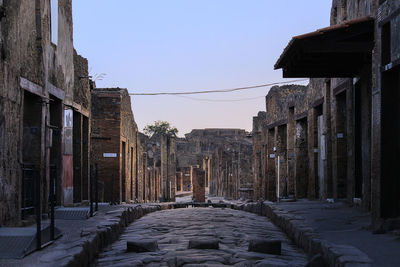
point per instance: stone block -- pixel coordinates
(204, 244)
(141, 246)
(265, 246)
(316, 261)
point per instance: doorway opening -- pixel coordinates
(390, 182)
(31, 152)
(77, 156)
(56, 144)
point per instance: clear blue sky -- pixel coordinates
(184, 45)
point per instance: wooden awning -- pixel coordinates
(337, 51)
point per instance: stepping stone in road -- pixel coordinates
(204, 244)
(141, 246)
(265, 246)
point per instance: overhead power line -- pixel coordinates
(222, 100)
(218, 91)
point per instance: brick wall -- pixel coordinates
(114, 145)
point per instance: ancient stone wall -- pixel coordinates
(200, 148)
(161, 167)
(82, 94)
(37, 80)
(231, 173)
(199, 192)
(115, 146)
(344, 127)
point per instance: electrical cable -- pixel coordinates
(221, 100)
(217, 91)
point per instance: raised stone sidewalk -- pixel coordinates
(339, 233)
(333, 235)
(83, 239)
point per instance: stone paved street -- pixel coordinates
(174, 228)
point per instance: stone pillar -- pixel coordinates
(271, 176)
(171, 168)
(376, 132)
(350, 144)
(281, 155)
(290, 137)
(312, 154)
(257, 167)
(164, 169)
(199, 194)
(339, 146)
(263, 176)
(68, 182)
(328, 185)
(301, 159)
(191, 177)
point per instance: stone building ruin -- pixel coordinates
(44, 109)
(225, 157)
(344, 133)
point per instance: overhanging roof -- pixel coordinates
(336, 51)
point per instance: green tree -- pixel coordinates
(160, 127)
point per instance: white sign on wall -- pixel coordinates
(109, 155)
(323, 147)
(68, 117)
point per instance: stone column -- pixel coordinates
(350, 144)
(198, 185)
(328, 185)
(281, 155)
(271, 176)
(301, 159)
(312, 153)
(290, 137)
(164, 169)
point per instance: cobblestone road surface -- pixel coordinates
(174, 228)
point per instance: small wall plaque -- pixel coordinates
(340, 135)
(271, 156)
(109, 155)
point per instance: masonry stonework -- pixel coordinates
(346, 120)
(38, 93)
(114, 145)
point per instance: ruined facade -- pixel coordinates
(274, 143)
(225, 155)
(116, 146)
(346, 129)
(44, 109)
(160, 172)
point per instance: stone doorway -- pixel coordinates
(55, 136)
(31, 152)
(390, 182)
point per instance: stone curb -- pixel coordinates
(105, 231)
(108, 228)
(306, 237)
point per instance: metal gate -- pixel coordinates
(30, 174)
